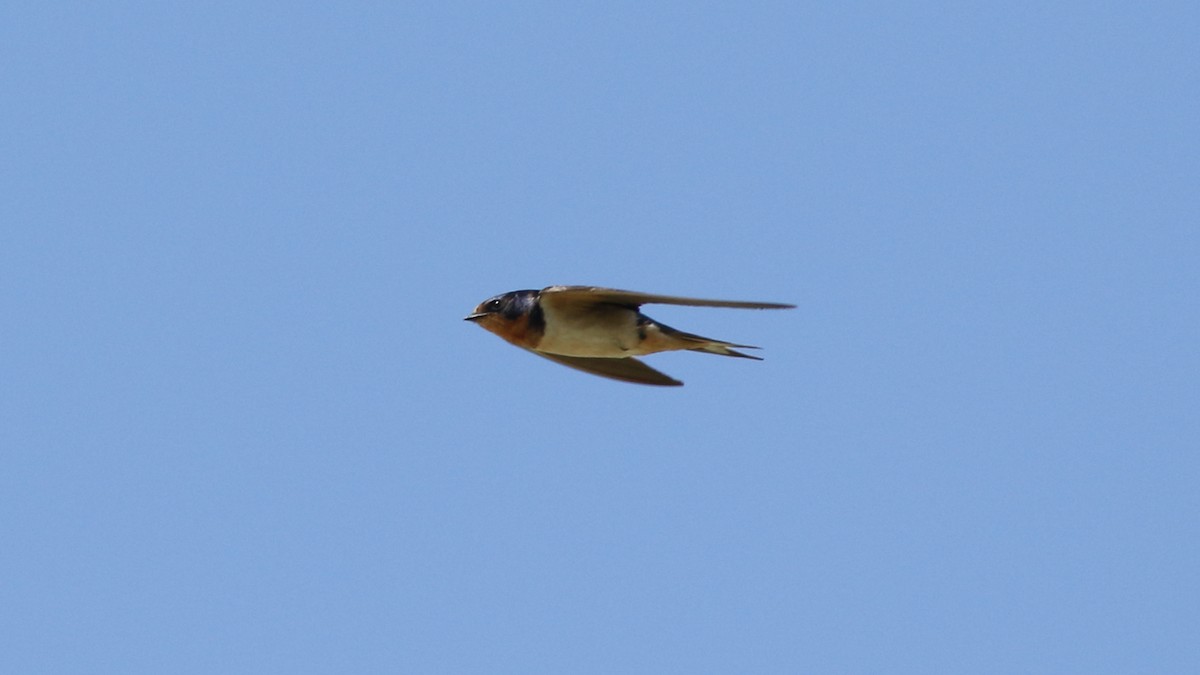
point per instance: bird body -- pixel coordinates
(600, 330)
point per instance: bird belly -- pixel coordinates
(598, 332)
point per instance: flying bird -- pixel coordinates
(600, 330)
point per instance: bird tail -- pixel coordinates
(697, 343)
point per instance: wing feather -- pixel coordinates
(595, 294)
(627, 369)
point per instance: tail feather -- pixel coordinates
(724, 350)
(709, 345)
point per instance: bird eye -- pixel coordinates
(492, 305)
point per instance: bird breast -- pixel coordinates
(606, 331)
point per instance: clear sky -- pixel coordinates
(245, 430)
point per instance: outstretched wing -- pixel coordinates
(626, 369)
(612, 296)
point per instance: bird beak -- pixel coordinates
(474, 317)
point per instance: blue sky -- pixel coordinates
(245, 430)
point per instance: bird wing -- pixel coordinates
(612, 296)
(625, 369)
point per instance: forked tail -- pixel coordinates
(707, 345)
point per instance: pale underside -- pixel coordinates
(593, 330)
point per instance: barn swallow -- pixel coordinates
(600, 330)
